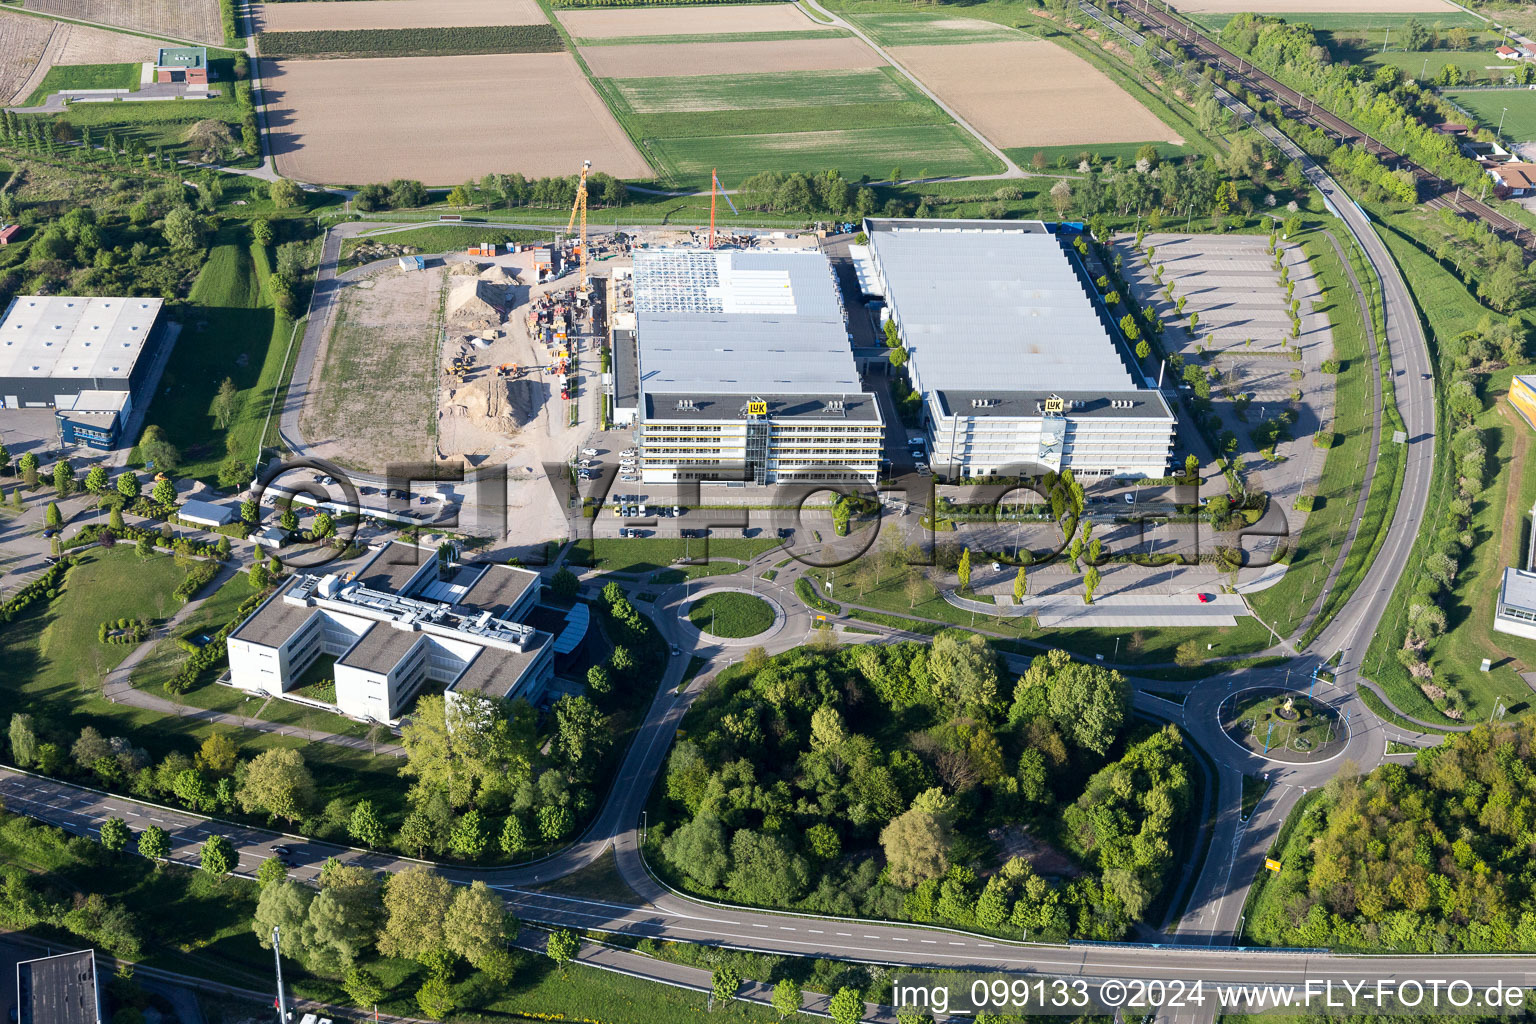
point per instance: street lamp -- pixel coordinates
(1500, 132)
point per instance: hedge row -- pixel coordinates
(213, 652)
(45, 586)
(411, 42)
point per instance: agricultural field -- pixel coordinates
(194, 20)
(1517, 107)
(917, 151)
(383, 340)
(410, 42)
(434, 119)
(624, 22)
(1032, 93)
(668, 60)
(915, 28)
(313, 17)
(22, 42)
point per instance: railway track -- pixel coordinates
(1298, 107)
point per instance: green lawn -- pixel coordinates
(766, 91)
(1488, 105)
(447, 237)
(920, 150)
(649, 554)
(731, 615)
(912, 28)
(85, 76)
(163, 123)
(228, 331)
(1024, 156)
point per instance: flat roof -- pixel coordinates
(626, 374)
(71, 336)
(182, 57)
(194, 508)
(496, 672)
(57, 989)
(982, 302)
(276, 620)
(381, 648)
(1138, 404)
(393, 566)
(499, 588)
(857, 407)
(740, 322)
(1518, 589)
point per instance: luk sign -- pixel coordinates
(757, 408)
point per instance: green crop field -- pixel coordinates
(772, 90)
(85, 76)
(411, 42)
(1489, 105)
(927, 150)
(920, 29)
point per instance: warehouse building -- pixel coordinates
(59, 989)
(1017, 362)
(737, 366)
(404, 621)
(89, 359)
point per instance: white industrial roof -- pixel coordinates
(1519, 589)
(70, 336)
(985, 305)
(734, 322)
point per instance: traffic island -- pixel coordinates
(1283, 725)
(728, 616)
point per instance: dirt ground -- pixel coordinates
(81, 44)
(668, 60)
(1032, 93)
(670, 21)
(441, 119)
(1316, 6)
(196, 20)
(384, 342)
(306, 17)
(22, 42)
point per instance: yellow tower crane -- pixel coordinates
(580, 207)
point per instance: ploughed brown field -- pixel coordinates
(440, 120)
(610, 23)
(196, 20)
(22, 42)
(1032, 93)
(309, 17)
(662, 60)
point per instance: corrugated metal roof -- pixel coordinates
(987, 305)
(740, 322)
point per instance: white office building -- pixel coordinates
(401, 622)
(736, 365)
(1018, 365)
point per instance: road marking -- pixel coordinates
(785, 928)
(846, 935)
(816, 931)
(900, 939)
(931, 942)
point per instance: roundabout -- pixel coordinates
(731, 616)
(1283, 725)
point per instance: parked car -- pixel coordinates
(1204, 598)
(1130, 499)
(677, 510)
(997, 566)
(629, 451)
(589, 451)
(629, 479)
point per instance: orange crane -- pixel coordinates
(714, 188)
(580, 207)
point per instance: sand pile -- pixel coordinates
(489, 404)
(496, 274)
(474, 305)
(464, 268)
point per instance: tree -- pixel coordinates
(218, 856)
(272, 870)
(278, 783)
(363, 987)
(128, 484)
(164, 492)
(1088, 703)
(250, 512)
(416, 902)
(96, 480)
(562, 947)
(324, 526)
(344, 918)
(599, 681)
(916, 845)
(786, 997)
(1020, 585)
(1061, 197)
(415, 833)
(52, 516)
(1187, 654)
(1415, 35)
(284, 193)
(158, 452)
(964, 569)
(1143, 350)
(846, 1006)
(514, 839)
(261, 233)
(436, 999)
(218, 753)
(581, 731)
(724, 981)
(23, 736)
(63, 478)
(964, 670)
(365, 827)
(468, 838)
(284, 906)
(477, 923)
(224, 403)
(288, 518)
(1090, 582)
(154, 843)
(28, 465)
(183, 229)
(115, 834)
(565, 584)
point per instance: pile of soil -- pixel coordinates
(474, 305)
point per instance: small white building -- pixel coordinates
(401, 621)
(206, 513)
(1516, 611)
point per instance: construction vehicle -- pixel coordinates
(579, 207)
(509, 370)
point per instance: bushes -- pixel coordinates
(123, 631)
(197, 577)
(47, 585)
(211, 653)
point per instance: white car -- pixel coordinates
(629, 451)
(997, 566)
(589, 451)
(585, 464)
(629, 478)
(1130, 499)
